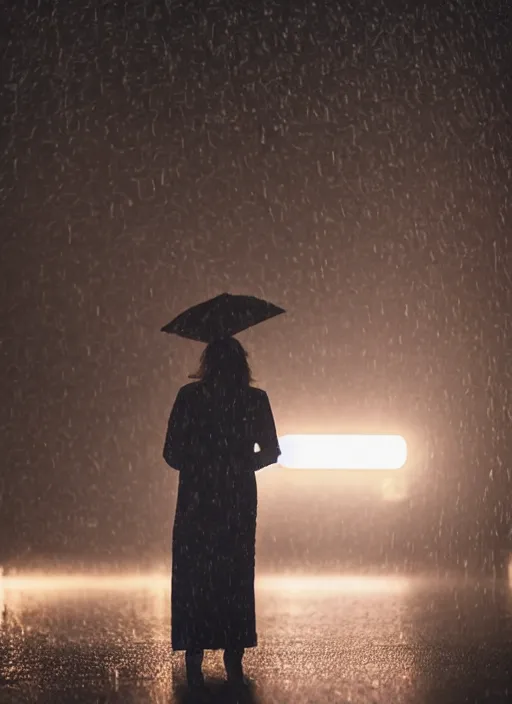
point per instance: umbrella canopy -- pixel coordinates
(222, 316)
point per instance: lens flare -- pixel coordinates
(372, 452)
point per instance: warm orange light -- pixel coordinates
(50, 583)
(333, 584)
(296, 583)
(372, 452)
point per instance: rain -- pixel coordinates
(350, 162)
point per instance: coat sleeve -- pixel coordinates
(266, 435)
(175, 439)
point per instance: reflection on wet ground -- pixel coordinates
(321, 639)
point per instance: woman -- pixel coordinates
(213, 429)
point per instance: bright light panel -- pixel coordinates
(371, 452)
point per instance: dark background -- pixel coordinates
(348, 161)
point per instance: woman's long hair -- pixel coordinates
(224, 361)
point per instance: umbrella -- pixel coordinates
(222, 316)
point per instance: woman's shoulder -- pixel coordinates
(188, 389)
(196, 387)
(257, 393)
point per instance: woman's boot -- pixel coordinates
(233, 665)
(193, 663)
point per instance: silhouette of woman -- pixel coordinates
(213, 427)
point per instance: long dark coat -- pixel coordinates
(210, 440)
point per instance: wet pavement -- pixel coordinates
(322, 639)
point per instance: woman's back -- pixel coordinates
(221, 422)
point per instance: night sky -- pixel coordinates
(350, 162)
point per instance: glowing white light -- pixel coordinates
(343, 451)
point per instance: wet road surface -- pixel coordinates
(321, 639)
